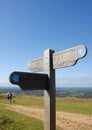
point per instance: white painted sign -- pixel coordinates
(60, 59)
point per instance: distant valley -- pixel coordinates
(80, 92)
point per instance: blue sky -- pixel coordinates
(28, 27)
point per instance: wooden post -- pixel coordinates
(49, 94)
(48, 64)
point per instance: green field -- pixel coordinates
(10, 120)
(75, 105)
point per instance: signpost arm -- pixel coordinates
(49, 94)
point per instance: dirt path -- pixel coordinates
(64, 120)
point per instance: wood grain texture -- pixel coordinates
(66, 58)
(49, 94)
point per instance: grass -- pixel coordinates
(29, 100)
(76, 105)
(10, 120)
(82, 106)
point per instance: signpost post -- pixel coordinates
(48, 64)
(49, 94)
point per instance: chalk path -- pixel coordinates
(64, 120)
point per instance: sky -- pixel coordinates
(29, 27)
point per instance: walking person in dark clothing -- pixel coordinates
(9, 97)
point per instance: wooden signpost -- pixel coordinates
(48, 63)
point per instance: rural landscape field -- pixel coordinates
(45, 54)
(26, 112)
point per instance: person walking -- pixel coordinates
(9, 97)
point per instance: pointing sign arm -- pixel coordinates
(61, 59)
(29, 81)
(36, 65)
(68, 57)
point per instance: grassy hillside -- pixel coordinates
(10, 120)
(76, 105)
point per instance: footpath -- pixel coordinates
(64, 120)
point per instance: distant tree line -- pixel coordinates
(77, 94)
(60, 92)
